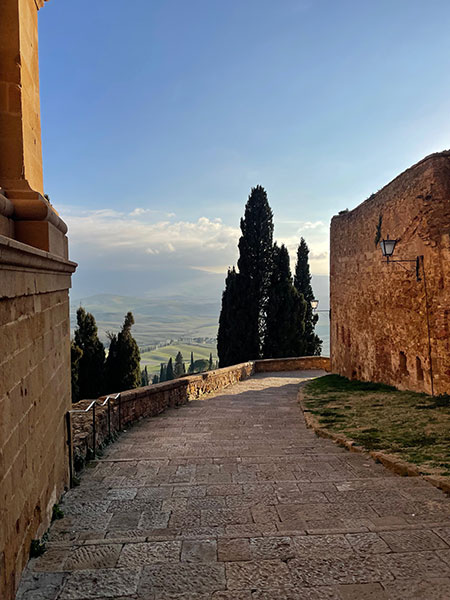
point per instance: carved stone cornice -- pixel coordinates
(6, 206)
(32, 206)
(16, 254)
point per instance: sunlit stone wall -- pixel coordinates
(379, 311)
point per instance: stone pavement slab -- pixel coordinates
(233, 498)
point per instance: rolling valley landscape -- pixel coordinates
(165, 326)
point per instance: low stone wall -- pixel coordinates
(133, 405)
(292, 364)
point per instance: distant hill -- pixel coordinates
(156, 319)
(161, 319)
(154, 358)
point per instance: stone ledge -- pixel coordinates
(18, 254)
(445, 154)
(391, 462)
(31, 206)
(6, 206)
(292, 364)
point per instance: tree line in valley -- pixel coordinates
(93, 372)
(96, 372)
(265, 312)
(177, 368)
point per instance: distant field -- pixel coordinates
(159, 320)
(156, 319)
(153, 359)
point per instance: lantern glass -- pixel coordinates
(314, 304)
(387, 247)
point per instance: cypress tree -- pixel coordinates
(179, 369)
(144, 377)
(169, 370)
(191, 366)
(92, 362)
(255, 268)
(286, 309)
(162, 373)
(75, 355)
(155, 379)
(123, 362)
(228, 335)
(244, 300)
(112, 379)
(210, 365)
(311, 343)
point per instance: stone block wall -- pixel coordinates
(379, 311)
(34, 396)
(292, 364)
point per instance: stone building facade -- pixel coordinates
(35, 276)
(387, 326)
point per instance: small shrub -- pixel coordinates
(57, 512)
(78, 462)
(37, 548)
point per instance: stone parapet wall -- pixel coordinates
(34, 397)
(379, 311)
(150, 401)
(292, 364)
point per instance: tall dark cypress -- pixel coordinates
(169, 370)
(228, 338)
(179, 368)
(312, 344)
(191, 365)
(286, 309)
(162, 373)
(75, 355)
(92, 362)
(255, 268)
(123, 362)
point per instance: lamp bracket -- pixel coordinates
(416, 261)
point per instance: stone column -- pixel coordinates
(35, 221)
(35, 277)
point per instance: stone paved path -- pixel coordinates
(233, 498)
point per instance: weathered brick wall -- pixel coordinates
(378, 310)
(155, 399)
(34, 396)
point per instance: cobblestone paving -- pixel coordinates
(233, 498)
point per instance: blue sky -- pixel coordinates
(159, 116)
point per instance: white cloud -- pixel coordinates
(162, 250)
(140, 211)
(141, 239)
(310, 225)
(216, 269)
